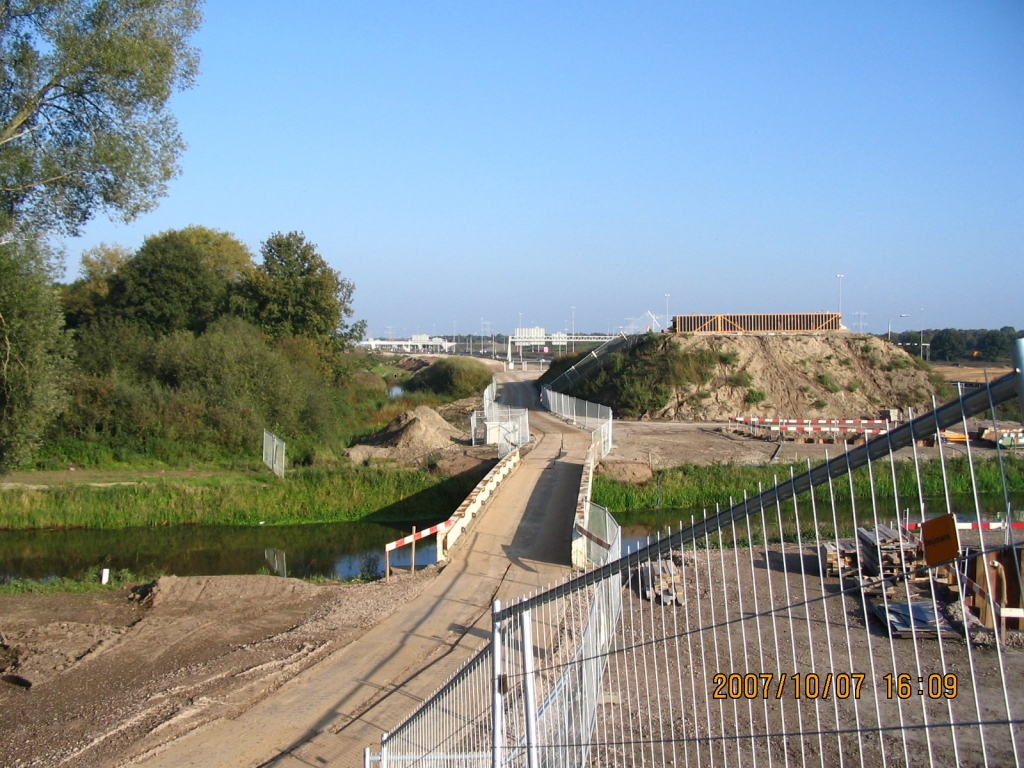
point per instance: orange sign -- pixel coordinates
(941, 542)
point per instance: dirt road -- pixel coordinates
(329, 713)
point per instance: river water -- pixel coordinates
(334, 550)
(344, 550)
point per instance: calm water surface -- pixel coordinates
(336, 550)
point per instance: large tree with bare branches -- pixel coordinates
(84, 119)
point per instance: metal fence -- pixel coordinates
(808, 624)
(273, 453)
(499, 424)
(585, 414)
(548, 661)
(593, 359)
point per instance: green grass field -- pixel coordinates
(313, 495)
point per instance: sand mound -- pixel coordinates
(412, 436)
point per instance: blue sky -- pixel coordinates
(473, 160)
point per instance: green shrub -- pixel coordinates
(827, 384)
(739, 380)
(454, 377)
(853, 386)
(755, 396)
(728, 358)
(819, 404)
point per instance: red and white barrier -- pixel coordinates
(807, 428)
(439, 528)
(852, 422)
(995, 525)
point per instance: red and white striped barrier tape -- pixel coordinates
(439, 528)
(803, 428)
(995, 525)
(760, 420)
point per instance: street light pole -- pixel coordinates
(889, 333)
(573, 329)
(840, 297)
(921, 346)
(666, 310)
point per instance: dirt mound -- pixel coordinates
(411, 437)
(625, 471)
(834, 375)
(412, 364)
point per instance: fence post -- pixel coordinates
(412, 562)
(498, 713)
(383, 752)
(530, 692)
(387, 566)
(1018, 363)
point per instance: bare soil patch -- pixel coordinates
(112, 677)
(412, 437)
(829, 375)
(670, 444)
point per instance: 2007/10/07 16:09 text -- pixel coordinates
(842, 685)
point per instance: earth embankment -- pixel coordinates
(713, 377)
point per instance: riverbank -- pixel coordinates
(697, 486)
(309, 495)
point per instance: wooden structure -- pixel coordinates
(801, 322)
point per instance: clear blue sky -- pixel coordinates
(472, 160)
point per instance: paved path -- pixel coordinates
(328, 714)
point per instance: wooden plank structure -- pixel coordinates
(993, 587)
(838, 560)
(799, 322)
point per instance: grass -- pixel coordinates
(693, 486)
(313, 495)
(89, 581)
(827, 383)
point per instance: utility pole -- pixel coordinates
(666, 311)
(840, 297)
(573, 329)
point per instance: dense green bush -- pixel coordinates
(179, 395)
(454, 377)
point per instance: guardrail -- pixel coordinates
(451, 529)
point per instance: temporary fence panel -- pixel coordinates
(273, 453)
(802, 625)
(508, 427)
(592, 416)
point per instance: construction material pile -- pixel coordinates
(410, 438)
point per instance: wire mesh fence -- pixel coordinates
(503, 425)
(273, 453)
(809, 624)
(592, 416)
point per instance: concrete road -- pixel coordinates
(329, 713)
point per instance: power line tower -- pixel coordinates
(860, 321)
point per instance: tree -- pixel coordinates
(84, 122)
(295, 293)
(84, 298)
(948, 344)
(169, 285)
(995, 345)
(34, 350)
